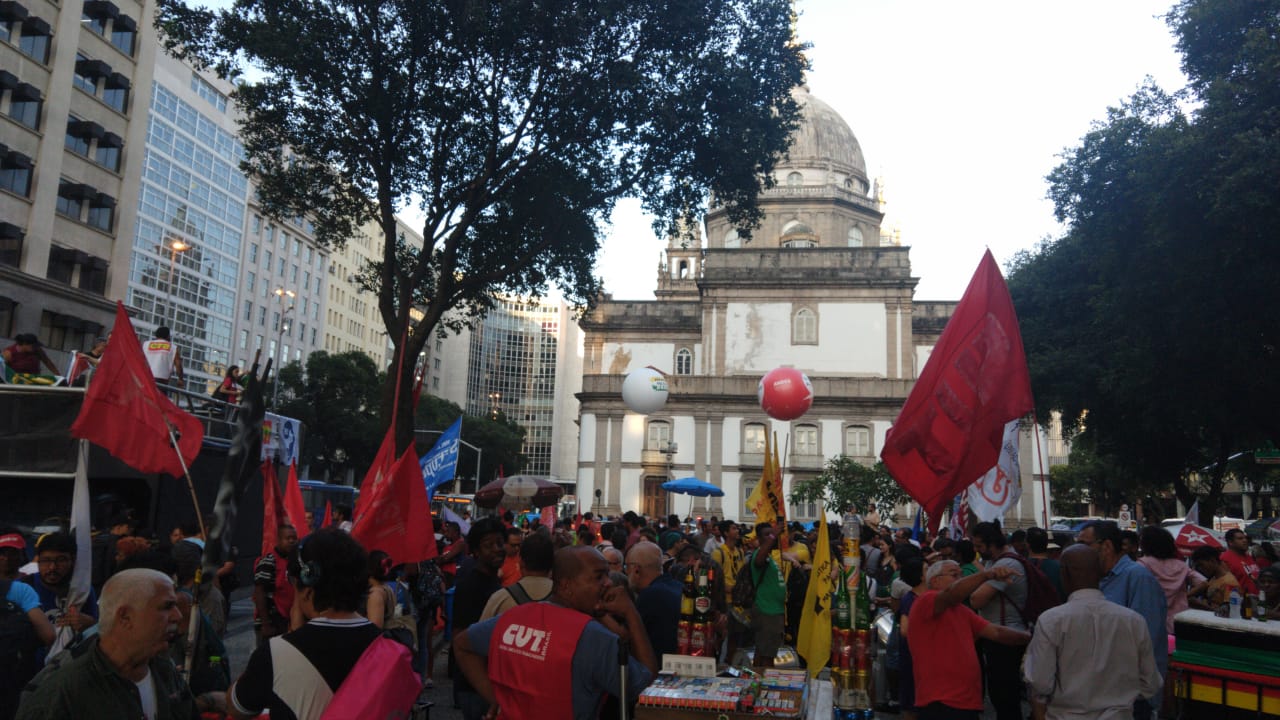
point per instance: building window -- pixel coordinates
(62, 264)
(24, 105)
(71, 197)
(34, 42)
(804, 327)
(855, 237)
(244, 339)
(795, 179)
(732, 239)
(857, 441)
(115, 92)
(124, 34)
(87, 73)
(658, 436)
(15, 173)
(253, 252)
(262, 316)
(93, 275)
(107, 153)
(684, 362)
(96, 14)
(753, 435)
(806, 440)
(267, 256)
(79, 135)
(248, 310)
(102, 212)
(11, 237)
(249, 281)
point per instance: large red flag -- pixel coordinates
(273, 512)
(397, 518)
(949, 431)
(372, 484)
(328, 514)
(293, 505)
(128, 416)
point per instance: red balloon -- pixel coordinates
(785, 393)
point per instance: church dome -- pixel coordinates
(823, 139)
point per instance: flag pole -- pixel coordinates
(1044, 499)
(193, 623)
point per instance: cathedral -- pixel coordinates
(820, 286)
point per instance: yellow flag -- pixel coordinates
(759, 501)
(813, 641)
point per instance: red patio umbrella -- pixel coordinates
(518, 492)
(1189, 537)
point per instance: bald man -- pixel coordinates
(1089, 657)
(559, 658)
(658, 596)
(123, 671)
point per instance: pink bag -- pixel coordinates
(382, 685)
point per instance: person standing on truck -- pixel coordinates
(163, 358)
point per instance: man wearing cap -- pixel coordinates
(56, 560)
(13, 554)
(163, 357)
(25, 356)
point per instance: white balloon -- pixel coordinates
(644, 391)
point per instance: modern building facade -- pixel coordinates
(523, 360)
(74, 98)
(817, 287)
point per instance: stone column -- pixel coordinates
(715, 476)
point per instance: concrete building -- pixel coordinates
(524, 360)
(74, 93)
(281, 292)
(817, 287)
(351, 318)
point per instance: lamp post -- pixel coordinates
(281, 294)
(457, 482)
(175, 246)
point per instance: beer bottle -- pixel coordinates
(843, 612)
(862, 608)
(684, 629)
(1260, 612)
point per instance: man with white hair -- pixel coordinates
(613, 556)
(942, 638)
(122, 672)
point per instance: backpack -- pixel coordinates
(428, 587)
(382, 684)
(521, 597)
(1041, 594)
(744, 587)
(18, 645)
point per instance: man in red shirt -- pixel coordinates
(1240, 562)
(941, 638)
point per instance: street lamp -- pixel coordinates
(281, 294)
(175, 246)
(457, 482)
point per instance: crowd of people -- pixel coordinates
(991, 617)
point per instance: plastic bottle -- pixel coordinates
(1234, 602)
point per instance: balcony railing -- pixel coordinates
(806, 461)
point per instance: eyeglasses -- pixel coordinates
(61, 560)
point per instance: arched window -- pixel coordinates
(732, 240)
(684, 270)
(857, 441)
(855, 237)
(796, 234)
(799, 243)
(795, 179)
(804, 327)
(658, 435)
(684, 362)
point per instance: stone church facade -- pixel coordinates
(818, 286)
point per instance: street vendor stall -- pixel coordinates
(774, 693)
(1225, 668)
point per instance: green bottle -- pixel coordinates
(862, 608)
(843, 611)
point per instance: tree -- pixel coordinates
(1153, 311)
(337, 400)
(500, 439)
(514, 126)
(845, 483)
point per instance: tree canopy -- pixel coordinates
(514, 126)
(337, 399)
(499, 438)
(1150, 322)
(846, 482)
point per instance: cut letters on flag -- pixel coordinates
(441, 462)
(126, 414)
(999, 489)
(814, 639)
(398, 519)
(950, 430)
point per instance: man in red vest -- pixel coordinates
(272, 592)
(518, 660)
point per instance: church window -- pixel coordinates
(804, 327)
(795, 179)
(799, 243)
(806, 439)
(796, 234)
(658, 435)
(732, 240)
(753, 438)
(684, 362)
(855, 237)
(857, 441)
(684, 269)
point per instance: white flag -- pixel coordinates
(451, 516)
(997, 490)
(82, 572)
(1193, 515)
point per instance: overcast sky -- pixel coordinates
(962, 108)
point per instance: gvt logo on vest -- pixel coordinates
(526, 641)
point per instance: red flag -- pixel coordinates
(371, 486)
(397, 518)
(273, 513)
(128, 416)
(328, 514)
(293, 505)
(949, 431)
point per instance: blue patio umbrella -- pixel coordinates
(693, 487)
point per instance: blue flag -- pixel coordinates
(915, 529)
(439, 465)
